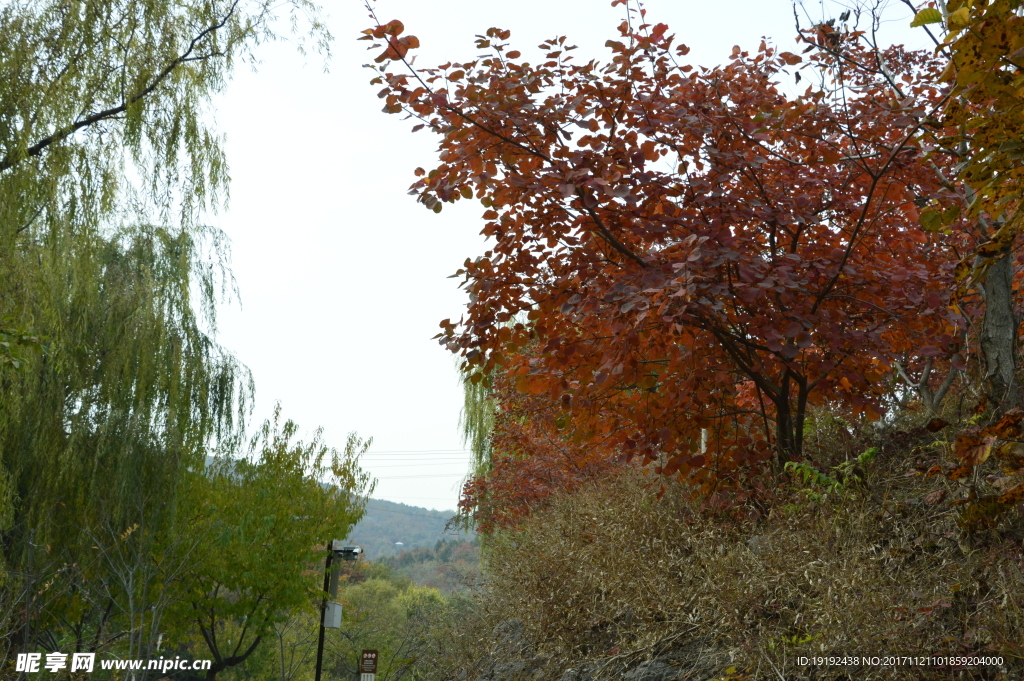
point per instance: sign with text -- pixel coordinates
(368, 665)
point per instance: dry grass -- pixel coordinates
(612, 575)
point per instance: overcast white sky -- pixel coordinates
(343, 276)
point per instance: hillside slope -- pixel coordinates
(387, 523)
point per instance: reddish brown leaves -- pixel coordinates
(531, 460)
(961, 472)
(397, 47)
(1014, 496)
(973, 448)
(974, 445)
(688, 312)
(1008, 427)
(532, 385)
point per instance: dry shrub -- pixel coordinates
(615, 575)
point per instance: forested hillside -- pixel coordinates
(385, 524)
(450, 565)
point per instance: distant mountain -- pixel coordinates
(388, 528)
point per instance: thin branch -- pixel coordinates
(38, 148)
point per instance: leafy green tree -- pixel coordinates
(263, 522)
(96, 433)
(113, 385)
(390, 614)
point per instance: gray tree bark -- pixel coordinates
(999, 337)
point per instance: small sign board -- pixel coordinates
(368, 666)
(368, 663)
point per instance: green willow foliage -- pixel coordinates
(112, 384)
(86, 87)
(99, 430)
(477, 419)
(129, 390)
(478, 411)
(103, 109)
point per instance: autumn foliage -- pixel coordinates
(687, 260)
(530, 461)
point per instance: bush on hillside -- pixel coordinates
(612, 575)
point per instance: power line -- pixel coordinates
(420, 451)
(420, 464)
(413, 459)
(421, 455)
(408, 497)
(418, 477)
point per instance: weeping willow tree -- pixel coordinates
(112, 384)
(479, 408)
(104, 111)
(129, 388)
(97, 431)
(87, 88)
(477, 419)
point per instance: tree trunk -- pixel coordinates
(783, 435)
(786, 447)
(789, 419)
(999, 337)
(220, 664)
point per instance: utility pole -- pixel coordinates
(335, 551)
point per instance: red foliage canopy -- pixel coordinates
(685, 259)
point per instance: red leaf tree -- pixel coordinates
(685, 259)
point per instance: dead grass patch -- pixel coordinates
(611, 575)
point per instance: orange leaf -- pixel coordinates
(397, 49)
(960, 472)
(394, 27)
(532, 385)
(1014, 496)
(973, 448)
(1009, 426)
